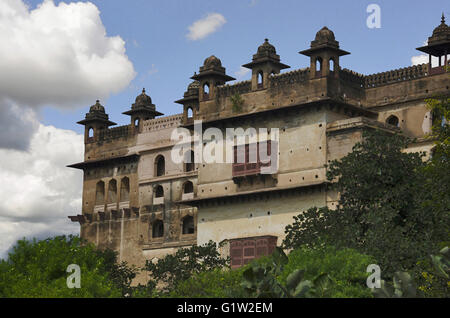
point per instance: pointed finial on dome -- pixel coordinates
(443, 18)
(143, 90)
(266, 40)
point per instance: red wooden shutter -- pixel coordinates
(236, 254)
(249, 250)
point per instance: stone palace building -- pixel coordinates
(139, 202)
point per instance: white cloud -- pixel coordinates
(37, 190)
(204, 27)
(59, 55)
(243, 71)
(419, 59)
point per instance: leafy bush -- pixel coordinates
(167, 272)
(38, 269)
(345, 267)
(218, 283)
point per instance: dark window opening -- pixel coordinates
(393, 120)
(188, 225)
(189, 161)
(160, 166)
(158, 229)
(159, 192)
(188, 187)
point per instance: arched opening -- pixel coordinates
(318, 66)
(100, 193)
(190, 112)
(206, 90)
(331, 65)
(260, 79)
(159, 191)
(158, 229)
(136, 122)
(125, 189)
(160, 166)
(189, 161)
(90, 132)
(188, 187)
(188, 225)
(112, 191)
(392, 120)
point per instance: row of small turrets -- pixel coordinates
(97, 120)
(324, 53)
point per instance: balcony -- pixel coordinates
(247, 168)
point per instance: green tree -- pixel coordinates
(346, 268)
(217, 283)
(380, 210)
(167, 272)
(38, 269)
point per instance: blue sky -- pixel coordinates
(164, 59)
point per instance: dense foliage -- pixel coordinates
(346, 268)
(167, 272)
(381, 209)
(217, 283)
(38, 269)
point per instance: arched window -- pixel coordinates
(159, 191)
(188, 225)
(112, 191)
(392, 120)
(158, 229)
(188, 187)
(332, 65)
(190, 112)
(90, 132)
(100, 193)
(160, 166)
(206, 90)
(319, 66)
(189, 161)
(125, 189)
(260, 79)
(136, 122)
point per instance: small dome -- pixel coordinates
(97, 107)
(212, 61)
(143, 99)
(266, 48)
(194, 85)
(442, 28)
(325, 35)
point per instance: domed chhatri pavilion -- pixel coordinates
(139, 202)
